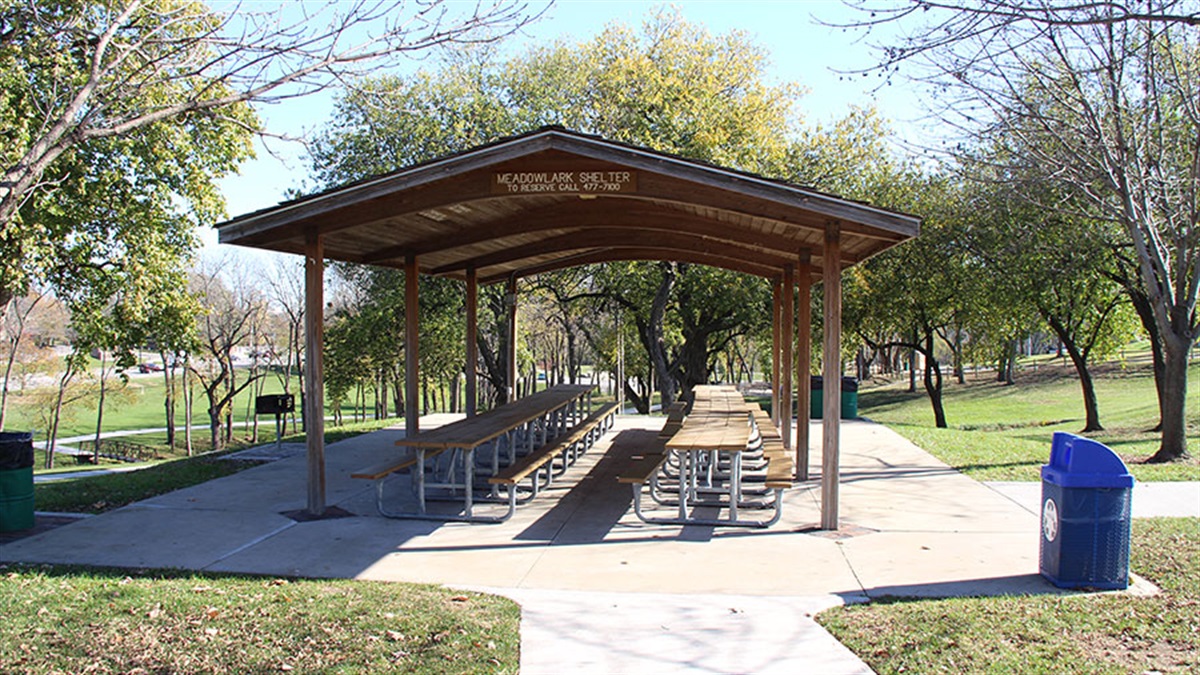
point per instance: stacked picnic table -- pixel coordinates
(725, 454)
(473, 459)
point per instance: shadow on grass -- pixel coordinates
(119, 573)
(877, 398)
(998, 465)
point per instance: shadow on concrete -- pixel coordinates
(596, 503)
(1021, 584)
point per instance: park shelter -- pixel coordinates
(553, 199)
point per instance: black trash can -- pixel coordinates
(1086, 498)
(816, 400)
(16, 481)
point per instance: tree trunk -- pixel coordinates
(1090, 407)
(1145, 312)
(912, 368)
(1010, 363)
(959, 370)
(655, 342)
(640, 403)
(189, 398)
(933, 383)
(100, 407)
(214, 428)
(169, 398)
(1174, 421)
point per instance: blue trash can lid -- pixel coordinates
(1076, 461)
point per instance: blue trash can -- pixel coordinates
(1086, 496)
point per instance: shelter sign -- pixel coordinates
(565, 181)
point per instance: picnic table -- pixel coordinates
(709, 448)
(529, 422)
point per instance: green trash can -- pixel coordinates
(816, 405)
(16, 481)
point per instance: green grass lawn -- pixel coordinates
(71, 620)
(138, 404)
(1111, 633)
(1000, 432)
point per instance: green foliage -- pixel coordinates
(668, 85)
(113, 205)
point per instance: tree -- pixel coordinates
(669, 85)
(14, 334)
(907, 296)
(1100, 101)
(1060, 266)
(287, 293)
(231, 307)
(155, 96)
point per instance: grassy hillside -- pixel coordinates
(1002, 432)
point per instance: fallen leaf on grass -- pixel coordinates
(395, 635)
(459, 598)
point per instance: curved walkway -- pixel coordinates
(601, 591)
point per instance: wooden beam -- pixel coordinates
(803, 364)
(314, 370)
(603, 237)
(510, 356)
(776, 320)
(472, 395)
(624, 213)
(787, 344)
(412, 348)
(632, 253)
(832, 356)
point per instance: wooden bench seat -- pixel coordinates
(780, 467)
(525, 466)
(377, 471)
(644, 465)
(642, 469)
(675, 414)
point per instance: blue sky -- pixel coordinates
(801, 49)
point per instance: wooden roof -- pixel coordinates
(552, 199)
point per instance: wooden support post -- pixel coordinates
(803, 364)
(832, 356)
(314, 369)
(787, 342)
(510, 358)
(776, 320)
(472, 395)
(412, 349)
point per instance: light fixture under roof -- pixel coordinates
(460, 209)
(433, 215)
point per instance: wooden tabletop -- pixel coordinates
(719, 420)
(474, 431)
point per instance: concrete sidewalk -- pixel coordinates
(1149, 500)
(602, 591)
